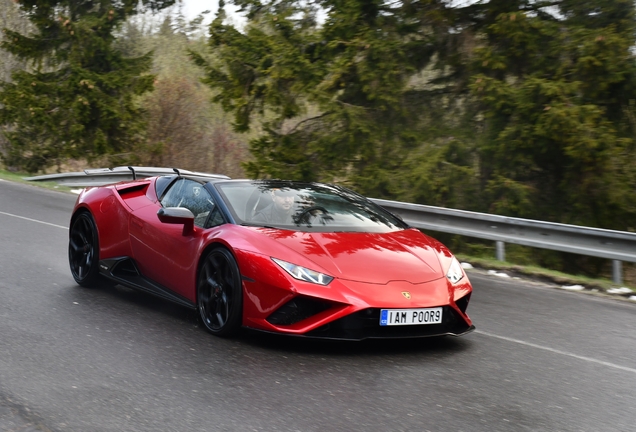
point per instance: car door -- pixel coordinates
(161, 250)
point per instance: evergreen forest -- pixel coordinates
(524, 108)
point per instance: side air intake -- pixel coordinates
(296, 310)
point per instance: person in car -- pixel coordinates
(280, 211)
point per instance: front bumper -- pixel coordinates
(364, 324)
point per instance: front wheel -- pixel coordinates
(219, 293)
(83, 250)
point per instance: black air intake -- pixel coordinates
(462, 303)
(297, 309)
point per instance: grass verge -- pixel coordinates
(542, 274)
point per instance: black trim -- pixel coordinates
(297, 309)
(123, 270)
(220, 202)
(365, 324)
(162, 184)
(310, 335)
(462, 303)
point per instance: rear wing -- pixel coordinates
(105, 176)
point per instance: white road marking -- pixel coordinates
(556, 351)
(34, 220)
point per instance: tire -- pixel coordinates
(83, 250)
(220, 293)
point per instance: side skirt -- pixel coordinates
(124, 271)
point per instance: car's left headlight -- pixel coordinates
(455, 272)
(303, 274)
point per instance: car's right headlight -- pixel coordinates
(455, 272)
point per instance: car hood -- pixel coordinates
(379, 258)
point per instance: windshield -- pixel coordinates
(304, 207)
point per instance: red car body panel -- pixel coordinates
(370, 270)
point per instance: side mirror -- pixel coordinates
(177, 215)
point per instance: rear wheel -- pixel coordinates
(219, 293)
(83, 250)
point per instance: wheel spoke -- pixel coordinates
(85, 225)
(89, 259)
(74, 245)
(227, 277)
(204, 298)
(215, 263)
(220, 320)
(226, 304)
(206, 270)
(211, 282)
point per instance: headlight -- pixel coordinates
(455, 272)
(303, 274)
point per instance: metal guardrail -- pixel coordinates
(614, 245)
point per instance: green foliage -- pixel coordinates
(77, 97)
(330, 98)
(553, 94)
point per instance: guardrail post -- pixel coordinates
(501, 251)
(617, 271)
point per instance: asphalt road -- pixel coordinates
(109, 359)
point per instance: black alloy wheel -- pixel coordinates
(220, 293)
(83, 250)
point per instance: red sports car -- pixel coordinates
(303, 259)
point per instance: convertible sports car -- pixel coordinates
(304, 259)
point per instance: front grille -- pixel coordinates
(296, 310)
(366, 324)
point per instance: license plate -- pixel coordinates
(393, 317)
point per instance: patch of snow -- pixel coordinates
(621, 290)
(466, 265)
(77, 191)
(573, 287)
(496, 273)
(632, 298)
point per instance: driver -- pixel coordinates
(280, 211)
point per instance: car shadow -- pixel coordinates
(380, 347)
(286, 344)
(145, 301)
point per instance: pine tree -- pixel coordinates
(77, 97)
(331, 98)
(554, 87)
